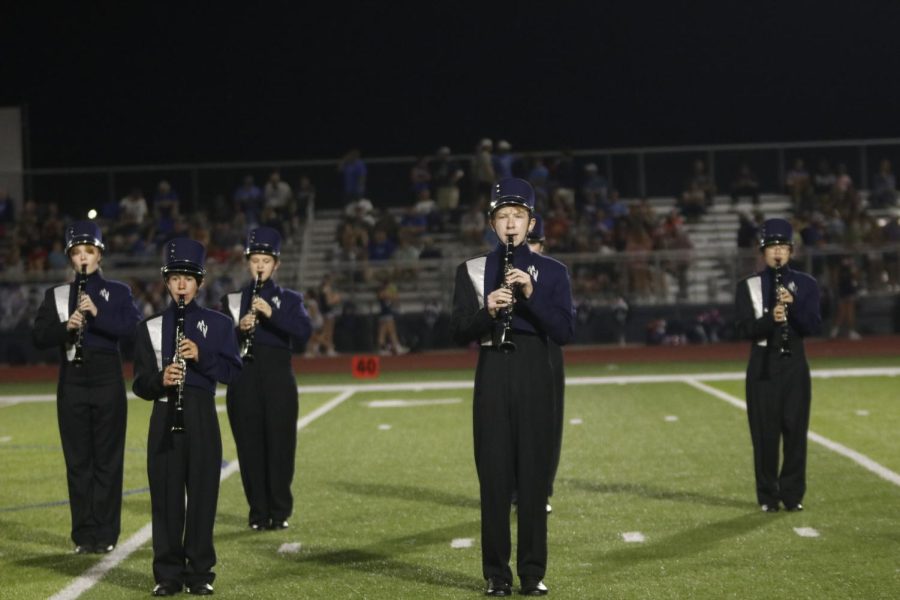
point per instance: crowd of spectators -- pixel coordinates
(383, 240)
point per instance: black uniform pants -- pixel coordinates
(778, 401)
(559, 391)
(513, 427)
(92, 411)
(262, 409)
(180, 464)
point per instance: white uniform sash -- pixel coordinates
(61, 296)
(154, 328)
(754, 285)
(476, 267)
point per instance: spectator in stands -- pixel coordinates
(353, 172)
(745, 184)
(884, 186)
(362, 211)
(823, 180)
(53, 225)
(406, 256)
(419, 177)
(504, 161)
(702, 181)
(314, 344)
(381, 250)
(638, 245)
(748, 229)
(674, 236)
(13, 266)
(352, 239)
(595, 188)
(847, 289)
(248, 199)
(538, 177)
(306, 200)
(57, 260)
(446, 176)
(280, 198)
(562, 179)
(472, 225)
(388, 341)
(483, 174)
(747, 239)
(799, 186)
(692, 203)
(165, 209)
(132, 212)
(429, 248)
(329, 305)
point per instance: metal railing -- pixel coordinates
(634, 171)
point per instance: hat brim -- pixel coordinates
(90, 240)
(183, 268)
(259, 249)
(775, 241)
(510, 201)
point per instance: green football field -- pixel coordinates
(654, 496)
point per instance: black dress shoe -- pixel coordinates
(532, 586)
(769, 508)
(83, 549)
(498, 587)
(167, 588)
(258, 526)
(278, 524)
(104, 548)
(793, 507)
(200, 589)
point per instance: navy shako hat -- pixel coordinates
(775, 232)
(511, 191)
(184, 255)
(264, 240)
(84, 232)
(536, 235)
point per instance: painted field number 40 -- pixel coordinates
(366, 366)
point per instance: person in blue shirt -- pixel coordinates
(262, 402)
(184, 465)
(92, 406)
(512, 301)
(776, 309)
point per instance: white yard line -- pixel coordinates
(92, 576)
(857, 457)
(467, 384)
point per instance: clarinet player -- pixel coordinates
(513, 399)
(184, 467)
(262, 402)
(775, 309)
(86, 320)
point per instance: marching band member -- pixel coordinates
(262, 402)
(86, 320)
(184, 447)
(512, 301)
(775, 309)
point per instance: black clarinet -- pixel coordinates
(178, 394)
(247, 342)
(784, 345)
(506, 344)
(78, 360)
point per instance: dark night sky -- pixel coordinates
(106, 83)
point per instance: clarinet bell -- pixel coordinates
(506, 345)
